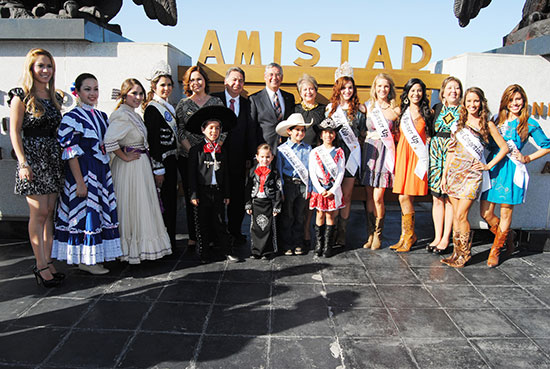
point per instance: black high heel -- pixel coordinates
(57, 275)
(431, 248)
(48, 283)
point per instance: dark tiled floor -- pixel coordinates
(358, 309)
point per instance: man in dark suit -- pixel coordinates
(240, 146)
(270, 106)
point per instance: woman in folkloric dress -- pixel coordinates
(347, 111)
(378, 161)
(445, 116)
(509, 178)
(35, 116)
(143, 235)
(160, 119)
(465, 168)
(86, 227)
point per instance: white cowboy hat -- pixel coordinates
(295, 119)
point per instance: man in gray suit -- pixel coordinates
(270, 106)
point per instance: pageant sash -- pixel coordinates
(349, 138)
(168, 116)
(296, 163)
(474, 146)
(414, 139)
(382, 127)
(328, 161)
(521, 176)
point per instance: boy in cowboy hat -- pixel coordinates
(292, 163)
(209, 179)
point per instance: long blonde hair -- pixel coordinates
(391, 94)
(33, 105)
(127, 85)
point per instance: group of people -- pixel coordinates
(117, 175)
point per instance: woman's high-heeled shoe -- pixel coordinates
(431, 248)
(48, 283)
(57, 275)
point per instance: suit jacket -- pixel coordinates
(201, 170)
(264, 117)
(241, 141)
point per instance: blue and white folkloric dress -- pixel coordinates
(86, 228)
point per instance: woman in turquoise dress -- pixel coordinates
(509, 177)
(447, 113)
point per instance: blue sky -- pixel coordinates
(432, 20)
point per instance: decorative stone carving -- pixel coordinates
(97, 11)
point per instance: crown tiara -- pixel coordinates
(344, 70)
(160, 69)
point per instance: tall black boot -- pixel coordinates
(329, 240)
(319, 239)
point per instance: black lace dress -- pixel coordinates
(41, 148)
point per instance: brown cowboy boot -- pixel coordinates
(497, 247)
(456, 248)
(409, 239)
(401, 238)
(370, 230)
(465, 246)
(510, 245)
(377, 239)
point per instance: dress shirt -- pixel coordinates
(284, 167)
(236, 104)
(281, 100)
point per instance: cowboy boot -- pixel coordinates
(370, 230)
(377, 238)
(409, 239)
(401, 238)
(510, 245)
(497, 247)
(341, 232)
(329, 240)
(456, 253)
(319, 239)
(465, 246)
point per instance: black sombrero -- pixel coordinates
(217, 112)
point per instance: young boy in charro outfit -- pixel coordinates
(263, 203)
(292, 164)
(209, 180)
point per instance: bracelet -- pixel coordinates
(24, 165)
(527, 159)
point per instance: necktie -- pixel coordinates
(232, 104)
(277, 106)
(262, 172)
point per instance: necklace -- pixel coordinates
(308, 108)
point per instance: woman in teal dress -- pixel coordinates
(509, 177)
(447, 113)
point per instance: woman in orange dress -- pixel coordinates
(411, 162)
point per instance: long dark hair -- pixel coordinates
(425, 111)
(523, 127)
(484, 114)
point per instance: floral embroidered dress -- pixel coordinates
(322, 179)
(86, 228)
(41, 149)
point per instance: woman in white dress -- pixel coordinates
(143, 235)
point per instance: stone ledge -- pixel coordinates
(56, 29)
